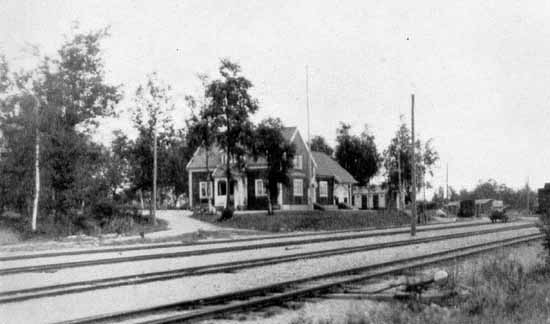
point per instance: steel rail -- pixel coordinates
(74, 264)
(289, 290)
(104, 283)
(399, 230)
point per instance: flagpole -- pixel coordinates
(310, 172)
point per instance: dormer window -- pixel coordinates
(298, 160)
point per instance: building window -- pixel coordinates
(323, 189)
(260, 188)
(204, 189)
(298, 162)
(298, 187)
(222, 188)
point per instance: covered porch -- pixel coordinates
(236, 190)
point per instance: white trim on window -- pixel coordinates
(323, 189)
(298, 162)
(259, 188)
(205, 189)
(298, 187)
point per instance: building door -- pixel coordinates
(375, 201)
(221, 192)
(363, 201)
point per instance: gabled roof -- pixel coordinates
(326, 166)
(288, 133)
(198, 161)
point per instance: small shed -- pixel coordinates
(369, 197)
(483, 206)
(452, 207)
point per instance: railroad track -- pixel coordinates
(81, 286)
(370, 232)
(273, 294)
(179, 254)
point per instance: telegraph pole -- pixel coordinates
(310, 191)
(399, 184)
(528, 194)
(447, 183)
(413, 167)
(307, 103)
(154, 210)
(399, 177)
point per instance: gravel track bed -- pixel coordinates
(112, 255)
(38, 279)
(59, 308)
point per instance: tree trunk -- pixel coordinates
(154, 193)
(228, 166)
(151, 208)
(36, 181)
(141, 199)
(269, 205)
(269, 197)
(228, 179)
(210, 179)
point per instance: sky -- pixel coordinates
(480, 71)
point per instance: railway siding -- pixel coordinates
(182, 251)
(64, 276)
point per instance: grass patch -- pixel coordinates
(290, 221)
(503, 291)
(199, 235)
(18, 229)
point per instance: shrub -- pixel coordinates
(227, 213)
(120, 225)
(86, 225)
(108, 217)
(103, 211)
